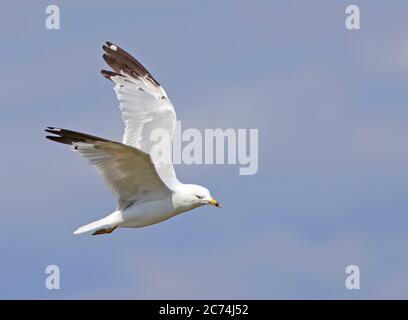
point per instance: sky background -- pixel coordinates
(331, 189)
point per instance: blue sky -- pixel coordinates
(331, 189)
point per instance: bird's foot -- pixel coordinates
(104, 231)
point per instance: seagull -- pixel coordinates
(147, 190)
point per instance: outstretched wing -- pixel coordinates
(146, 109)
(128, 171)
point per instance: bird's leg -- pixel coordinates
(104, 231)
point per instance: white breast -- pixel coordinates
(148, 213)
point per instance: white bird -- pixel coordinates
(148, 191)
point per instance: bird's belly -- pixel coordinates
(148, 213)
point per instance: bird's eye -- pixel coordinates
(199, 197)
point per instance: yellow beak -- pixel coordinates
(215, 203)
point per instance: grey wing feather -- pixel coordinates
(129, 172)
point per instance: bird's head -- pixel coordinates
(198, 196)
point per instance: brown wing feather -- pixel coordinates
(70, 137)
(121, 61)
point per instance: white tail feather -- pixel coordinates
(107, 222)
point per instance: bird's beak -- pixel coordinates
(215, 203)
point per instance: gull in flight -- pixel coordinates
(147, 190)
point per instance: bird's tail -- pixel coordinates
(108, 223)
